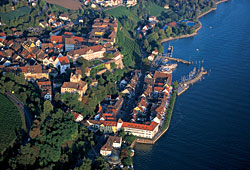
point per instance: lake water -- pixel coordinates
(210, 127)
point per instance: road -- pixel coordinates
(28, 119)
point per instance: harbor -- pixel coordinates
(192, 78)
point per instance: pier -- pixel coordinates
(197, 77)
(183, 86)
(177, 60)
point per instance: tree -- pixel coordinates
(86, 165)
(28, 155)
(47, 110)
(100, 164)
(146, 44)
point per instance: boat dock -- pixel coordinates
(183, 86)
(176, 59)
(197, 77)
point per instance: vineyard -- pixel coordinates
(10, 121)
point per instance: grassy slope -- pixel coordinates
(7, 16)
(155, 10)
(10, 120)
(122, 11)
(128, 45)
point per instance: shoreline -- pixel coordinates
(196, 30)
(153, 141)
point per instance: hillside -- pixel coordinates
(10, 121)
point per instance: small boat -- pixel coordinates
(210, 27)
(197, 49)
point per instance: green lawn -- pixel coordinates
(10, 120)
(122, 11)
(155, 10)
(7, 16)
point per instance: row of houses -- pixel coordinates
(56, 22)
(112, 3)
(149, 113)
(130, 88)
(110, 107)
(103, 31)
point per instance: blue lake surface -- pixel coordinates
(210, 127)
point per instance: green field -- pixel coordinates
(7, 16)
(155, 10)
(122, 11)
(10, 120)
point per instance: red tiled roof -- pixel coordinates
(68, 33)
(79, 39)
(2, 34)
(42, 83)
(108, 123)
(172, 24)
(150, 127)
(31, 69)
(83, 51)
(159, 89)
(63, 60)
(56, 39)
(59, 46)
(100, 109)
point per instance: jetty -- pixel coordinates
(197, 77)
(183, 86)
(176, 59)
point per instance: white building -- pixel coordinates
(62, 64)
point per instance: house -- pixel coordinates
(49, 60)
(71, 87)
(62, 64)
(131, 3)
(57, 24)
(151, 57)
(112, 142)
(152, 19)
(2, 35)
(141, 130)
(172, 24)
(43, 24)
(34, 72)
(118, 57)
(155, 52)
(46, 88)
(64, 17)
(77, 76)
(56, 39)
(77, 117)
(166, 6)
(69, 44)
(52, 21)
(88, 53)
(108, 126)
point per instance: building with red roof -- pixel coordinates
(62, 64)
(46, 88)
(140, 130)
(56, 39)
(88, 53)
(172, 24)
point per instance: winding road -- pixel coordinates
(28, 118)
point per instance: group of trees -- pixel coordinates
(25, 91)
(56, 141)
